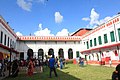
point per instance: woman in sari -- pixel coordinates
(30, 67)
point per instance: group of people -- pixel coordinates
(81, 61)
(32, 64)
(60, 62)
(13, 67)
(16, 65)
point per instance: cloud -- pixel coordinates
(94, 19)
(47, 32)
(41, 1)
(27, 4)
(58, 17)
(105, 19)
(86, 19)
(19, 34)
(43, 32)
(63, 32)
(24, 5)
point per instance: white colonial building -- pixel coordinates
(67, 46)
(101, 44)
(8, 40)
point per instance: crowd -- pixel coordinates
(31, 65)
(50, 62)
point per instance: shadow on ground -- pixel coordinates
(43, 76)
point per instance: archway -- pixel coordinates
(40, 54)
(70, 54)
(30, 53)
(51, 51)
(61, 53)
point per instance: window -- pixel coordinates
(87, 45)
(51, 51)
(1, 40)
(40, 54)
(8, 41)
(90, 43)
(99, 40)
(112, 36)
(105, 38)
(77, 54)
(85, 57)
(61, 53)
(95, 43)
(119, 34)
(84, 43)
(5, 40)
(21, 55)
(70, 54)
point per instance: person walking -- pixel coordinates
(41, 66)
(51, 66)
(15, 68)
(30, 67)
(61, 63)
(56, 62)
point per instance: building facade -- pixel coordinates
(8, 40)
(103, 43)
(67, 47)
(98, 45)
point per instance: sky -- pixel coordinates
(56, 17)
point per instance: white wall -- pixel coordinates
(36, 45)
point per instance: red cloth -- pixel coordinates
(116, 54)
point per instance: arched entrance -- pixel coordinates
(51, 51)
(30, 53)
(70, 54)
(40, 54)
(61, 53)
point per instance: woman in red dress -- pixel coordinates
(30, 68)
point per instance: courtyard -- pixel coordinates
(70, 72)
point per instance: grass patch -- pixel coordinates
(70, 72)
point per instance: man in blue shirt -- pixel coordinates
(51, 65)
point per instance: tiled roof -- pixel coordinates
(81, 32)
